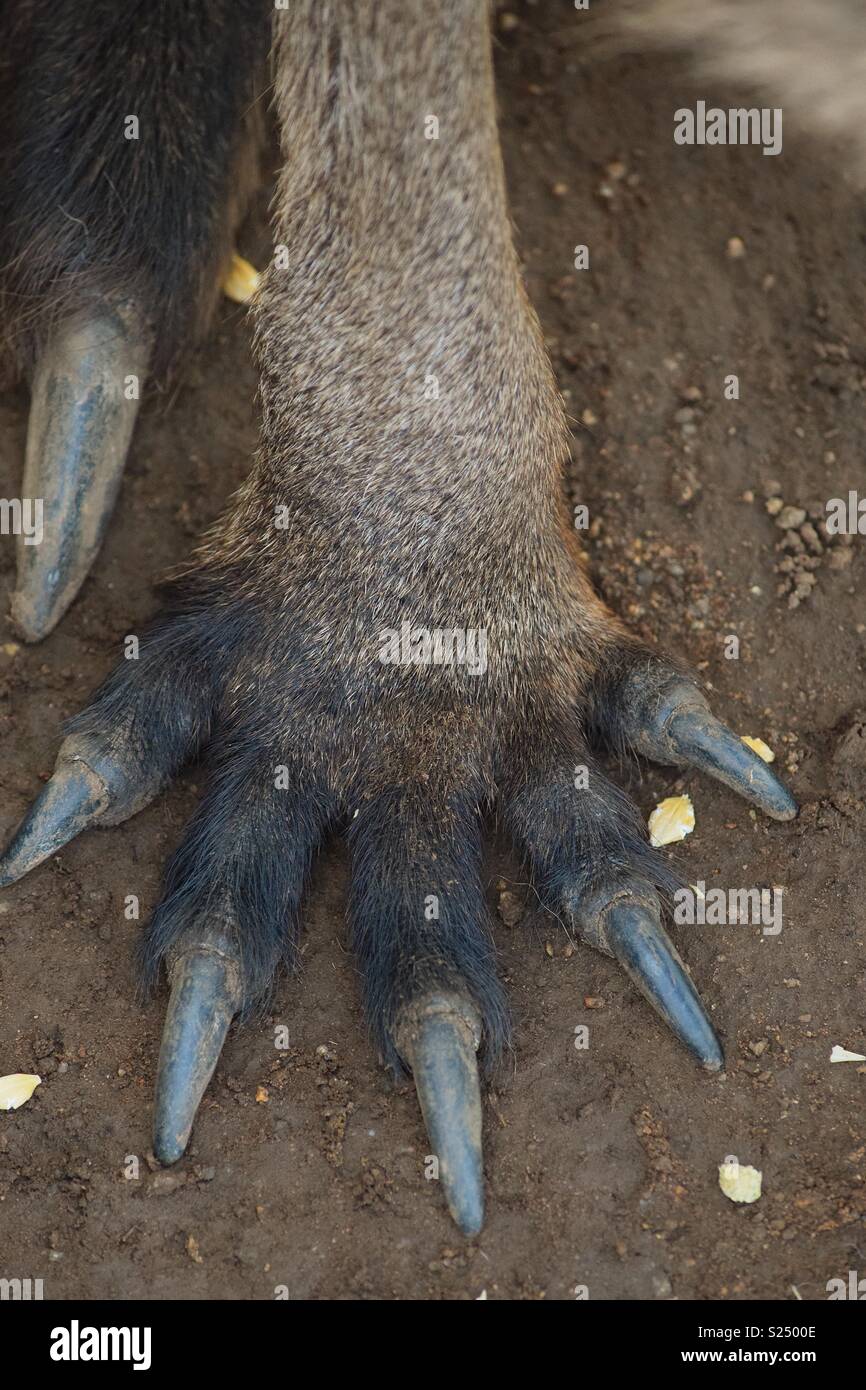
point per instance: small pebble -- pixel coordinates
(789, 518)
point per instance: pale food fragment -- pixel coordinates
(740, 1182)
(673, 819)
(16, 1089)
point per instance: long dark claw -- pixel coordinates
(81, 422)
(73, 799)
(632, 932)
(705, 742)
(205, 995)
(438, 1037)
(675, 725)
(89, 785)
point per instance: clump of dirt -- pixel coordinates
(806, 545)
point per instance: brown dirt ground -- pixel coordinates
(602, 1165)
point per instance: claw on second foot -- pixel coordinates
(85, 394)
(438, 1037)
(205, 996)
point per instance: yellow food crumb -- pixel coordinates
(758, 746)
(739, 1181)
(16, 1089)
(673, 819)
(241, 281)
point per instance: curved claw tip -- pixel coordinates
(168, 1148)
(205, 996)
(707, 743)
(32, 616)
(470, 1218)
(637, 939)
(73, 798)
(442, 1035)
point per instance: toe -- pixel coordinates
(143, 724)
(420, 928)
(658, 712)
(593, 867)
(228, 918)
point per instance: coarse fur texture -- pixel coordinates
(409, 473)
(375, 500)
